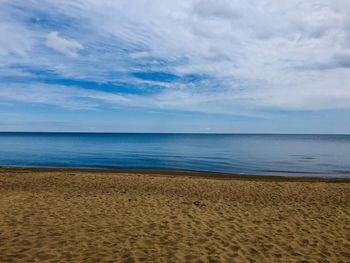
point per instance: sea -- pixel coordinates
(257, 154)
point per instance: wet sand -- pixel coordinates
(70, 215)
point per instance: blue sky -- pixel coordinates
(175, 66)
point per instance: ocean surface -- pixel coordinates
(298, 155)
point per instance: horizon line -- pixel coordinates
(184, 133)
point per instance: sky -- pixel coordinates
(229, 66)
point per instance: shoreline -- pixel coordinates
(179, 173)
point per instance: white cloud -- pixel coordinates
(15, 41)
(59, 95)
(288, 55)
(68, 47)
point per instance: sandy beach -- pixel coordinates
(71, 215)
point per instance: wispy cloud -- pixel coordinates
(67, 47)
(230, 57)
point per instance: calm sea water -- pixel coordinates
(311, 155)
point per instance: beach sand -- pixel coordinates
(72, 215)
